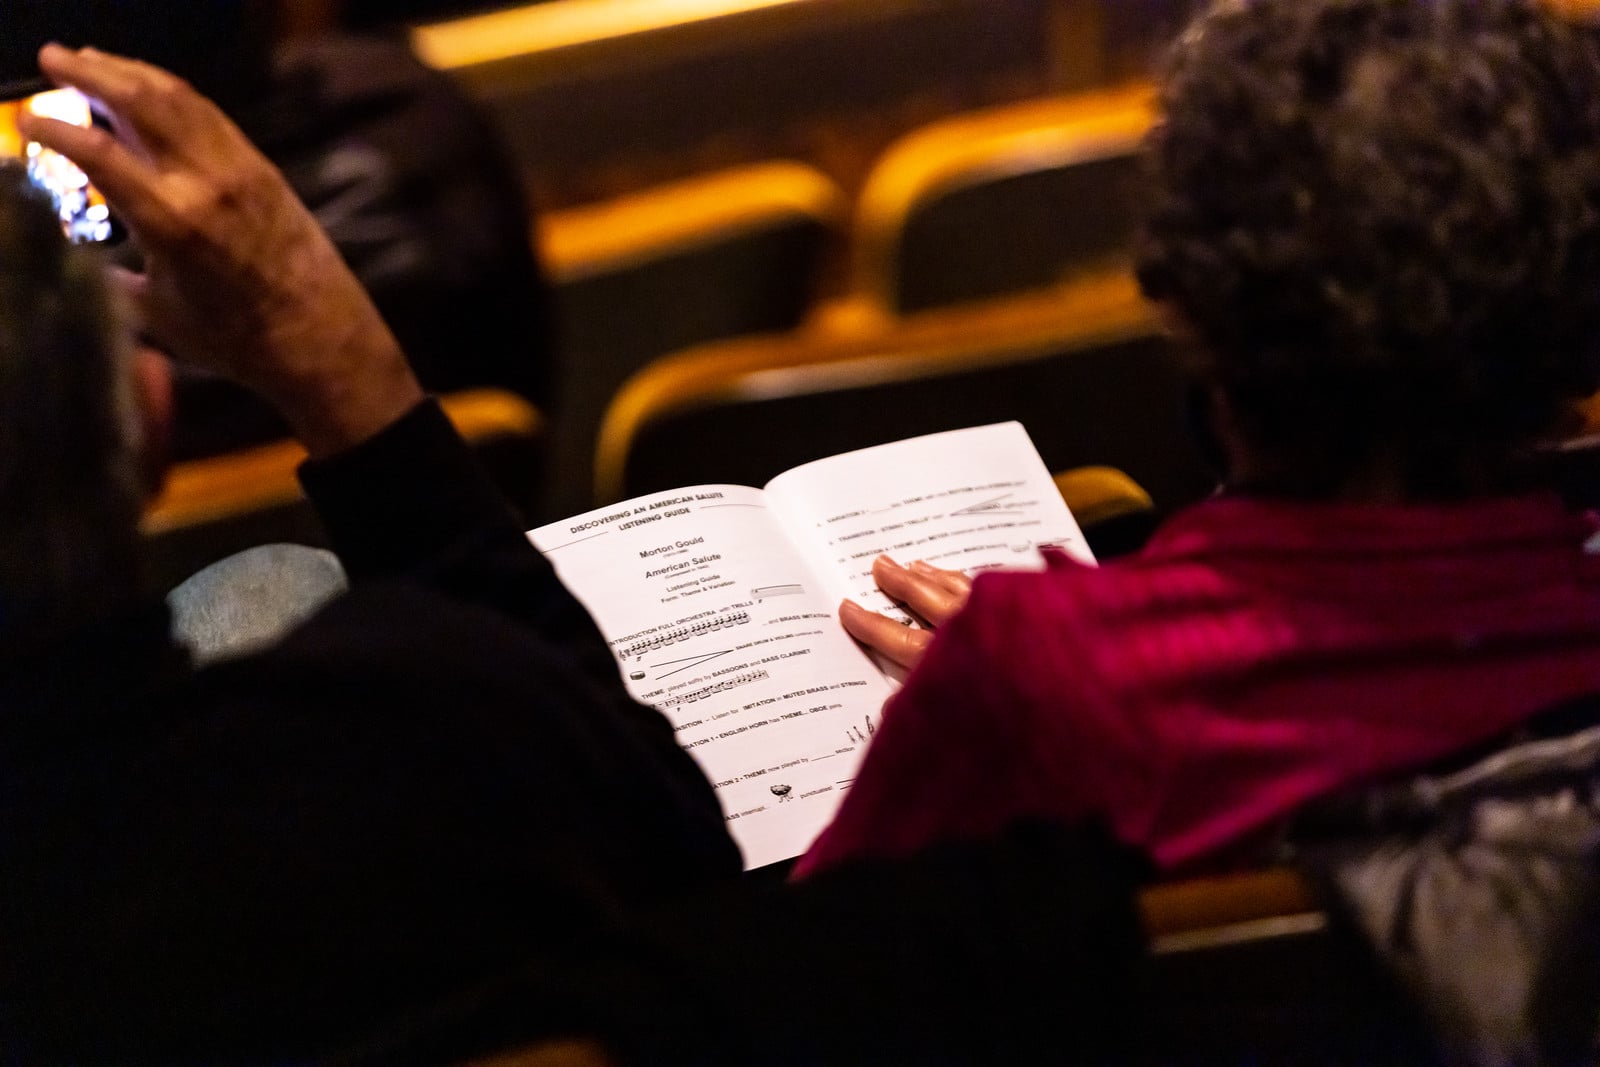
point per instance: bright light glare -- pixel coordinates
(66, 105)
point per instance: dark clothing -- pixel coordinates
(411, 182)
(1025, 948)
(410, 179)
(436, 779)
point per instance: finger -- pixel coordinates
(901, 644)
(922, 596)
(127, 181)
(133, 290)
(89, 72)
(114, 80)
(955, 582)
(158, 106)
(141, 309)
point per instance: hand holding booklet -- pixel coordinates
(720, 603)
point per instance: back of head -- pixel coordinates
(70, 489)
(1380, 219)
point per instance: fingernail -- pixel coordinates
(887, 562)
(922, 566)
(850, 607)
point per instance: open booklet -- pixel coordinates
(720, 602)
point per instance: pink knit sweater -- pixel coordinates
(1255, 655)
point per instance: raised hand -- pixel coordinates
(238, 278)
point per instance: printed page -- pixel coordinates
(717, 621)
(968, 500)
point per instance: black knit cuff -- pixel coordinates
(399, 499)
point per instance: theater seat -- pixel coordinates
(1001, 201)
(212, 507)
(1115, 513)
(1086, 369)
(722, 255)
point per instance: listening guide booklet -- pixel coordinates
(721, 604)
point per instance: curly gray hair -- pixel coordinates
(1380, 218)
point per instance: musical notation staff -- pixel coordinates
(711, 690)
(685, 633)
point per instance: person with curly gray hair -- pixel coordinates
(1394, 282)
(1379, 220)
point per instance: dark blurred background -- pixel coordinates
(560, 199)
(830, 81)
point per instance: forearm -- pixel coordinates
(351, 398)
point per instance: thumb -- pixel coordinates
(131, 292)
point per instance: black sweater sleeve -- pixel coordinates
(413, 503)
(411, 512)
(397, 502)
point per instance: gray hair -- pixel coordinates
(70, 485)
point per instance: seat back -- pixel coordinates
(1001, 201)
(599, 95)
(212, 507)
(1086, 370)
(727, 254)
(1115, 513)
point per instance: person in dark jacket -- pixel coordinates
(437, 778)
